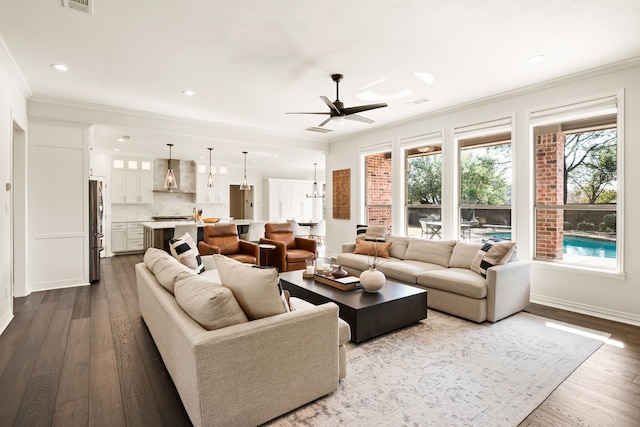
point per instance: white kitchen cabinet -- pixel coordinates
(118, 237)
(131, 182)
(219, 194)
(287, 199)
(127, 237)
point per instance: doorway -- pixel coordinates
(240, 203)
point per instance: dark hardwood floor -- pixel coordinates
(83, 356)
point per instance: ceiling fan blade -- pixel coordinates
(325, 122)
(358, 118)
(330, 104)
(310, 113)
(361, 108)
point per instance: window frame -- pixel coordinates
(569, 113)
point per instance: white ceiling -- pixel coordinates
(250, 62)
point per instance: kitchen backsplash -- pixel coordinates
(185, 170)
(165, 204)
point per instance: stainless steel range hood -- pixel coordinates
(183, 170)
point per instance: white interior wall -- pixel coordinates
(13, 109)
(603, 294)
(59, 200)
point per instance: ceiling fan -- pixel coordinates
(338, 110)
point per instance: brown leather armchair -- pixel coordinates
(291, 252)
(223, 239)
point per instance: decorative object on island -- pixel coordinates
(170, 182)
(245, 185)
(372, 280)
(315, 194)
(210, 177)
(342, 194)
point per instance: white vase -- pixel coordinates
(372, 280)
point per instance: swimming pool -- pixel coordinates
(575, 245)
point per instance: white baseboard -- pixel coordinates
(617, 316)
(6, 319)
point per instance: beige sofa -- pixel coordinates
(247, 373)
(444, 269)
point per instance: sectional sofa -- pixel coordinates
(446, 269)
(227, 368)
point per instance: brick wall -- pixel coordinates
(549, 191)
(378, 176)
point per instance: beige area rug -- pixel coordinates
(446, 371)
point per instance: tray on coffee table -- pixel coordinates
(345, 283)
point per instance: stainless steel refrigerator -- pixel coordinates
(96, 236)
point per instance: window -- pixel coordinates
(424, 190)
(378, 182)
(577, 192)
(485, 187)
(485, 180)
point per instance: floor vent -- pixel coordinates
(81, 5)
(318, 129)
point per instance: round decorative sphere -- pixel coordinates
(372, 280)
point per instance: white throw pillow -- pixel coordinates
(211, 305)
(167, 270)
(153, 255)
(185, 250)
(257, 290)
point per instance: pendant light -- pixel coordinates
(315, 194)
(170, 182)
(245, 185)
(210, 177)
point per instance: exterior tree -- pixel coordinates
(425, 180)
(590, 166)
(484, 175)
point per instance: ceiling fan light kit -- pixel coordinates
(338, 111)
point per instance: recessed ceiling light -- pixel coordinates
(536, 58)
(188, 92)
(116, 149)
(60, 67)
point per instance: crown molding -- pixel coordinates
(14, 70)
(100, 113)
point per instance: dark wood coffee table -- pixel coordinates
(369, 315)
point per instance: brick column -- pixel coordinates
(549, 191)
(378, 170)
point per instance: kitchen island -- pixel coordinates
(158, 233)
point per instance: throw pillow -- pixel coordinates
(257, 290)
(167, 270)
(432, 251)
(152, 256)
(185, 250)
(493, 252)
(211, 305)
(379, 249)
(372, 233)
